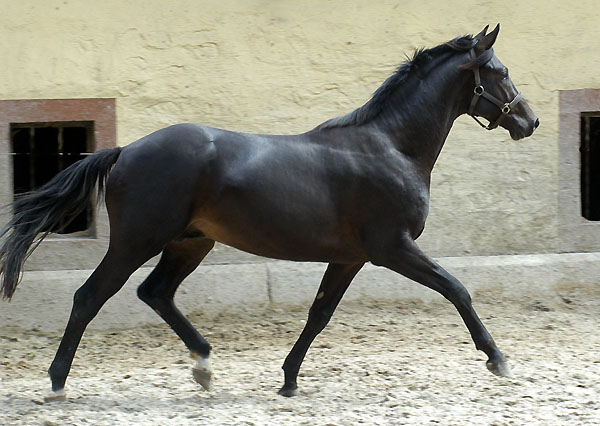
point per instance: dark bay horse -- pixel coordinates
(353, 190)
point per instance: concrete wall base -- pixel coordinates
(43, 299)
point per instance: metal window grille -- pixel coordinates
(41, 150)
(590, 166)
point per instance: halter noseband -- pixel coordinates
(479, 91)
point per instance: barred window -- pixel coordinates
(41, 150)
(590, 166)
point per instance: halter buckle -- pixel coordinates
(505, 108)
(478, 90)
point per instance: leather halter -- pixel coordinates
(479, 91)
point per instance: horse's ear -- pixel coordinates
(488, 40)
(482, 33)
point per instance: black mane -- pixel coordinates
(420, 58)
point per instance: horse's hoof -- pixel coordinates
(203, 373)
(202, 377)
(288, 391)
(499, 368)
(58, 395)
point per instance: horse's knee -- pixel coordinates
(463, 295)
(457, 293)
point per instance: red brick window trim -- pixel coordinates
(579, 170)
(41, 137)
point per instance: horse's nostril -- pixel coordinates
(537, 123)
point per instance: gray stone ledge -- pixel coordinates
(43, 299)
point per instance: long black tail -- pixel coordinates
(50, 208)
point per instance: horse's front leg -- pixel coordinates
(336, 280)
(405, 257)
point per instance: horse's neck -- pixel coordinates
(424, 115)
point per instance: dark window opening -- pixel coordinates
(41, 150)
(590, 166)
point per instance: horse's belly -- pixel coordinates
(276, 240)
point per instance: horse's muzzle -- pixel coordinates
(522, 133)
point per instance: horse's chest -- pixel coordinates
(413, 202)
(405, 190)
(405, 200)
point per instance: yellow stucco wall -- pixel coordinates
(285, 66)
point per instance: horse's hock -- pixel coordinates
(212, 289)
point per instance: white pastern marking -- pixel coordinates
(202, 364)
(59, 395)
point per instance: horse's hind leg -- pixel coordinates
(336, 280)
(178, 260)
(105, 281)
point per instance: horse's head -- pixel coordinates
(495, 96)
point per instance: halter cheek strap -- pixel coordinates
(479, 91)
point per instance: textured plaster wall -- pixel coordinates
(285, 66)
